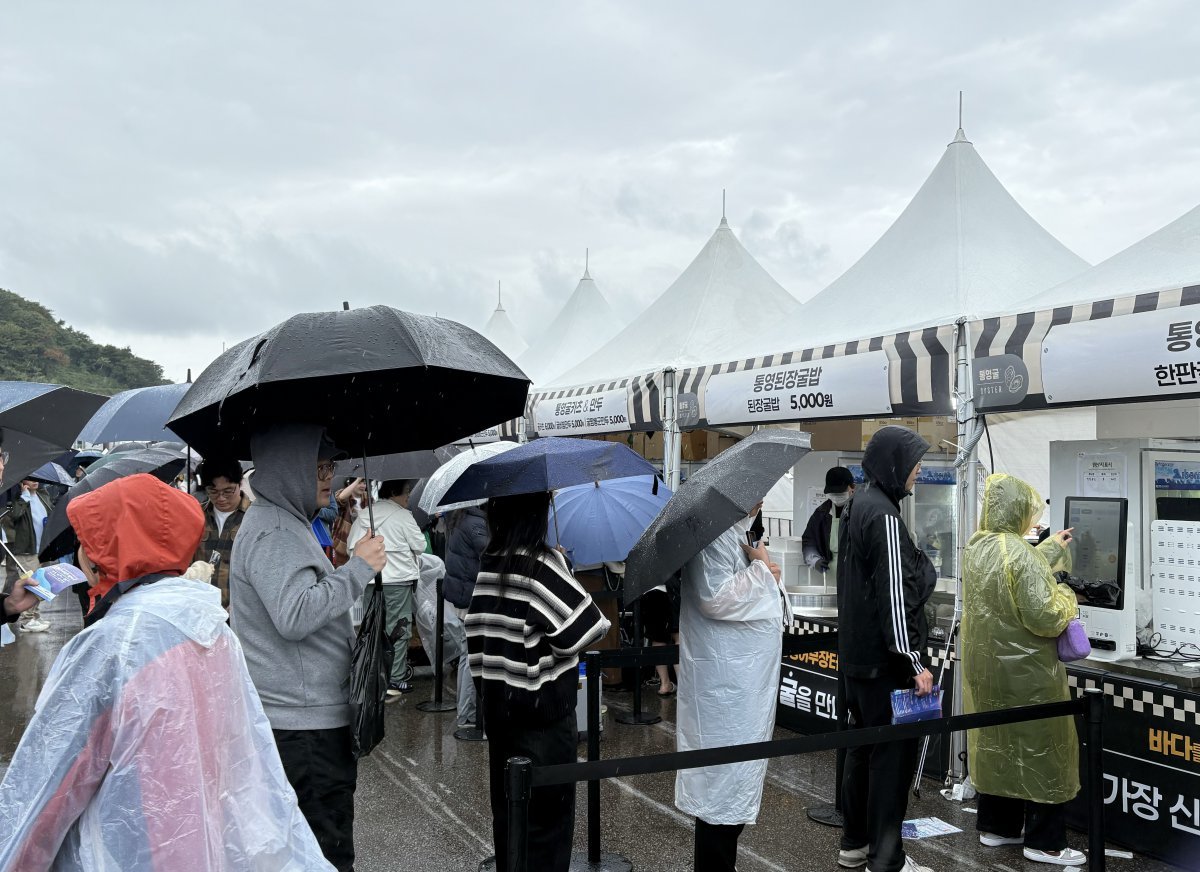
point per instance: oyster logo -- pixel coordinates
(1001, 380)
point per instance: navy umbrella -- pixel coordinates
(381, 381)
(58, 539)
(52, 473)
(38, 422)
(137, 415)
(545, 465)
(722, 492)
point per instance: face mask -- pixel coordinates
(839, 500)
(743, 526)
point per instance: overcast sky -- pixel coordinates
(175, 176)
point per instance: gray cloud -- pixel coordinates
(177, 177)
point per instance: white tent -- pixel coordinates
(963, 246)
(722, 307)
(583, 325)
(1166, 259)
(502, 332)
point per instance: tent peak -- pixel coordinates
(959, 136)
(724, 223)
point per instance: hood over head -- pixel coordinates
(890, 457)
(1010, 505)
(285, 466)
(136, 526)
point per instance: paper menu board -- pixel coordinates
(1101, 475)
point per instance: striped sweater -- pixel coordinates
(525, 631)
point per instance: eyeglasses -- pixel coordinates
(224, 493)
(324, 471)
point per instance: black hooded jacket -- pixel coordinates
(884, 580)
(465, 544)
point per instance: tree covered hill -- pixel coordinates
(36, 346)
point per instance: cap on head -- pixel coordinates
(838, 480)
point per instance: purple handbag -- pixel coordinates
(1073, 642)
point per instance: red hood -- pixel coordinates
(135, 526)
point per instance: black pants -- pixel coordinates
(716, 847)
(876, 778)
(1045, 825)
(551, 809)
(322, 770)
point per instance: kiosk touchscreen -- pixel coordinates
(1098, 549)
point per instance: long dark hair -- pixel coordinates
(517, 529)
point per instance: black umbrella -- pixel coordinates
(408, 464)
(722, 492)
(380, 380)
(38, 422)
(59, 539)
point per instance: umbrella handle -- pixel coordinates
(371, 512)
(554, 513)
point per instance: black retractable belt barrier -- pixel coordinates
(436, 705)
(521, 779)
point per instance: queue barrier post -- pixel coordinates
(636, 718)
(592, 658)
(1094, 699)
(518, 782)
(436, 705)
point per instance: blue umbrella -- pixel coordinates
(52, 473)
(601, 521)
(137, 415)
(543, 465)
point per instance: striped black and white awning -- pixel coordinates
(1025, 336)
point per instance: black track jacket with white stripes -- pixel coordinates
(884, 580)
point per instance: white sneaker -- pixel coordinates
(911, 865)
(994, 841)
(1065, 857)
(853, 858)
(37, 625)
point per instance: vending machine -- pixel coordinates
(1113, 493)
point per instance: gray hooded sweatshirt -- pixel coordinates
(288, 606)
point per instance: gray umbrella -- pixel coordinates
(382, 467)
(723, 491)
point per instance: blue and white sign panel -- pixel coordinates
(601, 412)
(1143, 355)
(855, 385)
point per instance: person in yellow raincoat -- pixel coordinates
(1013, 613)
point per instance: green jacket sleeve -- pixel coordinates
(1043, 606)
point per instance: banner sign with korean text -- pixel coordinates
(1151, 786)
(836, 387)
(1143, 355)
(601, 412)
(491, 434)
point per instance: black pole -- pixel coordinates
(831, 815)
(592, 660)
(1095, 770)
(518, 778)
(437, 705)
(636, 718)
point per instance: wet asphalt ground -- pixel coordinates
(422, 803)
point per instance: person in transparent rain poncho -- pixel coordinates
(731, 640)
(148, 748)
(1013, 612)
